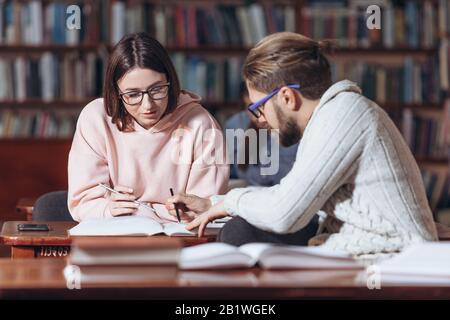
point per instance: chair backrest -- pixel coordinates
(52, 206)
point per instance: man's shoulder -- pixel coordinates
(355, 103)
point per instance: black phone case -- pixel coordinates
(32, 227)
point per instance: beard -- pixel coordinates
(289, 131)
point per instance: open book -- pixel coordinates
(426, 263)
(145, 222)
(128, 226)
(269, 256)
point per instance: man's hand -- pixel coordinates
(215, 212)
(189, 205)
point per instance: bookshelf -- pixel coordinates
(213, 37)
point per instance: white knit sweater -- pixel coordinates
(355, 170)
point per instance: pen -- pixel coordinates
(135, 201)
(176, 209)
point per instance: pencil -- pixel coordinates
(135, 201)
(176, 209)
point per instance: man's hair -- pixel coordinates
(136, 50)
(289, 58)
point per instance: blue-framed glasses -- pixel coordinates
(256, 108)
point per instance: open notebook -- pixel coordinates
(144, 223)
(128, 226)
(268, 256)
(426, 263)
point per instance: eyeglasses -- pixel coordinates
(256, 108)
(135, 97)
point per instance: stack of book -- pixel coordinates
(122, 260)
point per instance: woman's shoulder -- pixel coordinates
(93, 115)
(197, 116)
(94, 108)
(94, 112)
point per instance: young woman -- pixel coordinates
(129, 140)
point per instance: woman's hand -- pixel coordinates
(215, 212)
(189, 206)
(122, 203)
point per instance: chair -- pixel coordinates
(52, 206)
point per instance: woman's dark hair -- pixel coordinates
(136, 50)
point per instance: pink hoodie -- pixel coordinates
(144, 160)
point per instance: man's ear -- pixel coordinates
(290, 98)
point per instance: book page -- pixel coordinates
(431, 259)
(274, 256)
(163, 213)
(176, 229)
(117, 226)
(213, 256)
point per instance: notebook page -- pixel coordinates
(299, 257)
(213, 256)
(176, 229)
(117, 226)
(427, 259)
(163, 213)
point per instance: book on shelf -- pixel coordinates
(70, 77)
(25, 123)
(75, 77)
(192, 25)
(346, 21)
(435, 178)
(214, 79)
(267, 256)
(424, 133)
(37, 22)
(411, 82)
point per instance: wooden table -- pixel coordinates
(56, 242)
(43, 279)
(25, 206)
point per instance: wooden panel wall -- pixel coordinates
(30, 168)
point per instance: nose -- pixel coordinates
(146, 103)
(262, 120)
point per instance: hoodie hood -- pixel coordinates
(186, 102)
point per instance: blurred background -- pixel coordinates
(49, 72)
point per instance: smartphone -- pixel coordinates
(32, 227)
